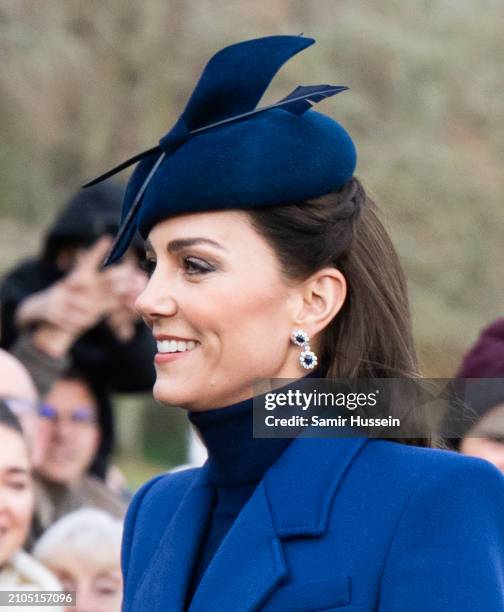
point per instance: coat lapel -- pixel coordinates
(293, 500)
(248, 565)
(302, 484)
(166, 577)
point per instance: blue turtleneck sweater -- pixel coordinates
(237, 462)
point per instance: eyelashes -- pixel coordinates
(148, 266)
(192, 266)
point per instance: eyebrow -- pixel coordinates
(181, 243)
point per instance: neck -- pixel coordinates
(234, 455)
(259, 387)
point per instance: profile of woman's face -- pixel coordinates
(217, 297)
(16, 493)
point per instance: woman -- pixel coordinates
(75, 420)
(40, 290)
(480, 384)
(83, 551)
(257, 230)
(18, 570)
(59, 308)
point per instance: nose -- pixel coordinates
(63, 430)
(84, 600)
(156, 300)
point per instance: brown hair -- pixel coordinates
(371, 337)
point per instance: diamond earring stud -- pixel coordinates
(307, 359)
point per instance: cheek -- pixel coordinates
(43, 432)
(88, 442)
(21, 505)
(485, 449)
(250, 324)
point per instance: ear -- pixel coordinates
(322, 297)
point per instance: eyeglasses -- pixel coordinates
(82, 415)
(21, 406)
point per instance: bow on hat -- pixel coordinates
(222, 107)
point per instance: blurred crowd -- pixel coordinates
(70, 339)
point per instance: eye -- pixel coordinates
(148, 265)
(194, 266)
(106, 586)
(18, 485)
(106, 591)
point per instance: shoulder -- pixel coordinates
(444, 493)
(427, 469)
(451, 518)
(408, 478)
(432, 463)
(24, 275)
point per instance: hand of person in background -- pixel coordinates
(126, 281)
(77, 301)
(73, 305)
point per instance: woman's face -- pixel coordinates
(217, 295)
(73, 433)
(97, 586)
(16, 493)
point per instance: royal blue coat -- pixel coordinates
(336, 524)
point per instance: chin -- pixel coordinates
(168, 394)
(56, 475)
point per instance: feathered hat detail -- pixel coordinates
(224, 153)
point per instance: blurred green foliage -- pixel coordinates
(86, 83)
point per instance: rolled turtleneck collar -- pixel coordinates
(234, 455)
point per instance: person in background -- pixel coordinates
(83, 551)
(60, 308)
(115, 345)
(18, 392)
(74, 410)
(480, 383)
(485, 359)
(18, 570)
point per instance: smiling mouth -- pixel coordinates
(176, 346)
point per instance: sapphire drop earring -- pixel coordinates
(307, 358)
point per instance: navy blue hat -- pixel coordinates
(224, 153)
